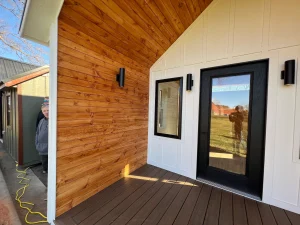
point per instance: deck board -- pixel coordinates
(226, 211)
(97, 215)
(252, 212)
(143, 214)
(280, 216)
(293, 217)
(172, 212)
(134, 208)
(267, 216)
(186, 211)
(212, 218)
(239, 211)
(116, 212)
(82, 211)
(152, 195)
(200, 209)
(165, 203)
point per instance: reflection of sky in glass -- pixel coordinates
(242, 79)
(240, 96)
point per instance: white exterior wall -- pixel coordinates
(228, 32)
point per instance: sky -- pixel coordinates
(231, 98)
(9, 19)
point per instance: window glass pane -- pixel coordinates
(229, 123)
(168, 107)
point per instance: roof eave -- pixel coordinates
(38, 15)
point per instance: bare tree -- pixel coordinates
(216, 101)
(10, 39)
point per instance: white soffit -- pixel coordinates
(37, 18)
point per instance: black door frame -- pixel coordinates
(252, 182)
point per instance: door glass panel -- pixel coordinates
(229, 123)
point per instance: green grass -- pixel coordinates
(221, 135)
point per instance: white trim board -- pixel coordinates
(51, 204)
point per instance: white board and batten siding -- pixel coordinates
(228, 32)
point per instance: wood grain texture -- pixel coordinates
(102, 129)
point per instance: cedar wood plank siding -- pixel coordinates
(102, 129)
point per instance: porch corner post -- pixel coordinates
(51, 203)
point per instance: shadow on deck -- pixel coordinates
(152, 195)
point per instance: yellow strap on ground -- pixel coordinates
(20, 192)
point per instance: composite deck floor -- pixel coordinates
(152, 195)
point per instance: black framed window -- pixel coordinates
(8, 109)
(168, 107)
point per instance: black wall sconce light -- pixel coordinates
(121, 77)
(189, 82)
(288, 74)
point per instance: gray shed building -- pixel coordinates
(23, 88)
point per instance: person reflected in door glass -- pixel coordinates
(237, 119)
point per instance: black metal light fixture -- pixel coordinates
(189, 82)
(121, 77)
(288, 74)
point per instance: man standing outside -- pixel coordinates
(41, 115)
(41, 138)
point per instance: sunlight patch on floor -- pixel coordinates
(179, 182)
(142, 178)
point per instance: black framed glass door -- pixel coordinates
(232, 125)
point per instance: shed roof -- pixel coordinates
(23, 77)
(10, 67)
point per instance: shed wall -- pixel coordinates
(11, 134)
(33, 93)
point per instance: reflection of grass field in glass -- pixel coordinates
(221, 136)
